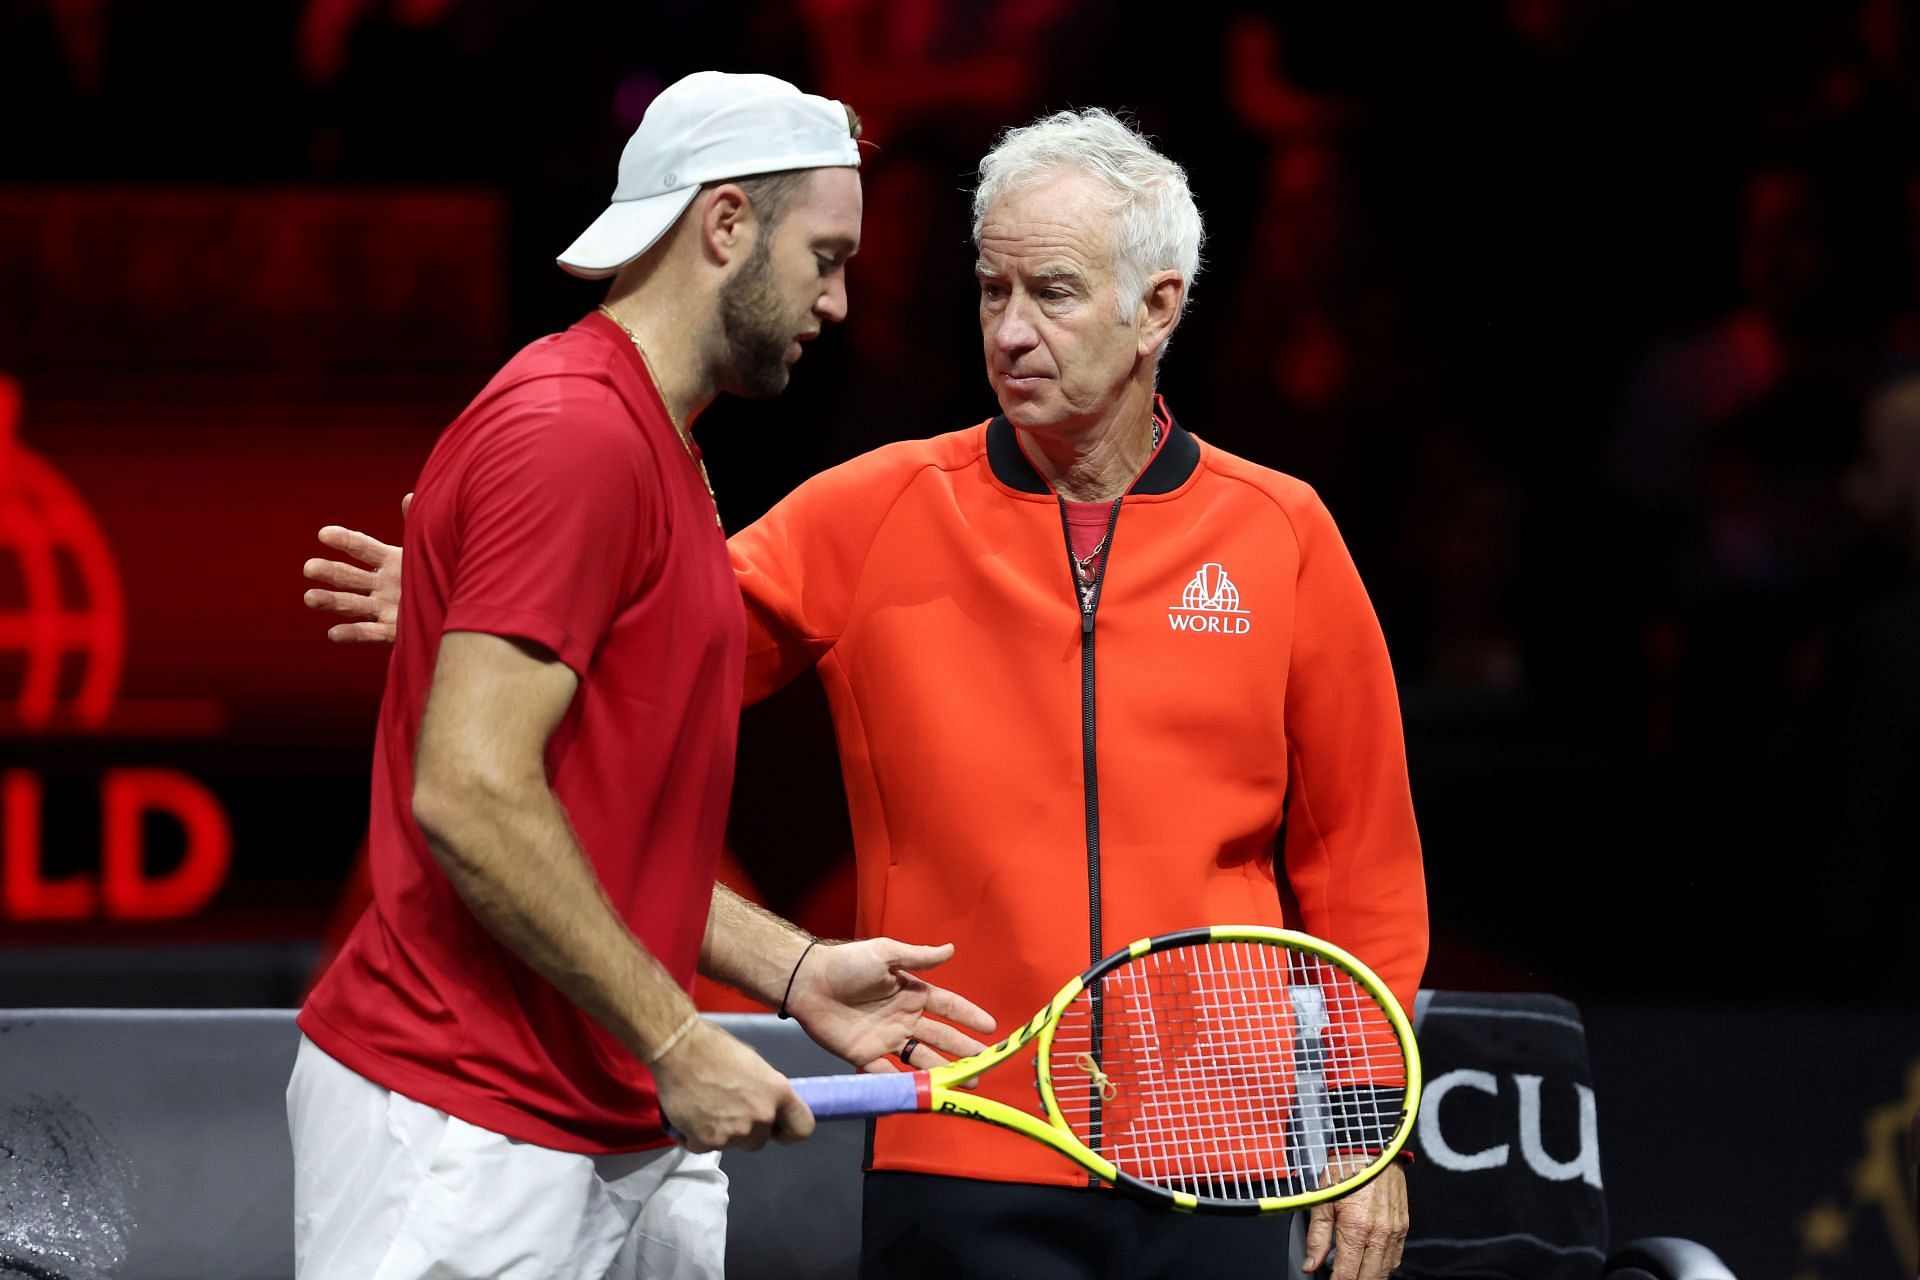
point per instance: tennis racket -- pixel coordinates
(1233, 1070)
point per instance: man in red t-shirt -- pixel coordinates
(488, 1064)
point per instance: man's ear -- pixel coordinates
(727, 224)
(1160, 309)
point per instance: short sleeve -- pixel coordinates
(550, 523)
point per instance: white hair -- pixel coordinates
(1155, 221)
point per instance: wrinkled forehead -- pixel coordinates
(1063, 215)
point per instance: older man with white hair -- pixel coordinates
(1088, 674)
(1092, 679)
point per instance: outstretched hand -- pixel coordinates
(863, 1000)
(369, 596)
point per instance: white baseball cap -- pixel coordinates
(707, 127)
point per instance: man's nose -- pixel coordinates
(1014, 330)
(831, 305)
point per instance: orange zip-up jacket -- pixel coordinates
(1040, 783)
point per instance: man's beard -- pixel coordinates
(753, 323)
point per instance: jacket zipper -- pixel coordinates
(1089, 602)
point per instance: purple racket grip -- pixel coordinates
(851, 1097)
(856, 1097)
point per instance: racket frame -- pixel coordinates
(945, 1092)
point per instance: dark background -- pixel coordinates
(1596, 323)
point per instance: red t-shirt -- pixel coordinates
(562, 509)
(1087, 522)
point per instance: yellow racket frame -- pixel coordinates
(947, 1094)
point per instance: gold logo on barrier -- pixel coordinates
(1878, 1188)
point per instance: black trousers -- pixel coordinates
(916, 1226)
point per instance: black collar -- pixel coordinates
(1179, 455)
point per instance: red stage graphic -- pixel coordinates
(63, 639)
(65, 617)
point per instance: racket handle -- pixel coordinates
(852, 1097)
(856, 1097)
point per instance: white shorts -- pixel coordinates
(386, 1188)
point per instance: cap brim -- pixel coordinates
(626, 230)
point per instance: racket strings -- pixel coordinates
(1232, 1070)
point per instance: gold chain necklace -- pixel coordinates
(1083, 565)
(686, 440)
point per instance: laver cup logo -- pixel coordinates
(62, 626)
(63, 640)
(1211, 603)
